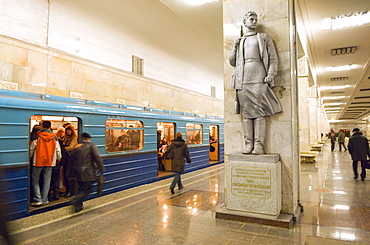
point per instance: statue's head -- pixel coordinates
(249, 13)
(250, 19)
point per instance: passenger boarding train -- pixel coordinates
(127, 138)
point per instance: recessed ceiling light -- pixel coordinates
(342, 51)
(199, 2)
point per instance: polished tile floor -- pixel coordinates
(336, 207)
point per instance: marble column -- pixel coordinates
(312, 101)
(282, 136)
(304, 115)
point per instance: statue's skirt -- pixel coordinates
(257, 100)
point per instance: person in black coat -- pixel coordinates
(86, 159)
(178, 151)
(358, 147)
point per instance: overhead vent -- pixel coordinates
(357, 110)
(137, 65)
(359, 107)
(338, 92)
(362, 97)
(365, 89)
(343, 51)
(339, 78)
(336, 101)
(356, 103)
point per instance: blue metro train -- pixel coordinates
(129, 162)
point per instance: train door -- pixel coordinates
(165, 134)
(57, 181)
(213, 143)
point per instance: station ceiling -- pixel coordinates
(197, 31)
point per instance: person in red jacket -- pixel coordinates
(45, 152)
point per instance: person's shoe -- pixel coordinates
(78, 209)
(172, 191)
(182, 187)
(69, 194)
(248, 148)
(56, 195)
(36, 204)
(45, 203)
(362, 179)
(345, 150)
(356, 177)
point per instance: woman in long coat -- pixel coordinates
(178, 151)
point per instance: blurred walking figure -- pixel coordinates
(85, 159)
(358, 147)
(4, 231)
(341, 139)
(332, 140)
(178, 151)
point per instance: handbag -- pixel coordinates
(100, 181)
(367, 165)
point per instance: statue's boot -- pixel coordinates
(259, 135)
(248, 136)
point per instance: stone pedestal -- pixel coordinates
(253, 190)
(253, 184)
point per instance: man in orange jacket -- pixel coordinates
(45, 152)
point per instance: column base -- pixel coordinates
(282, 220)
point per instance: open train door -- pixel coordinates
(213, 143)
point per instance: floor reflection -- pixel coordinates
(195, 200)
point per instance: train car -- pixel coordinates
(127, 137)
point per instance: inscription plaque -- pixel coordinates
(251, 182)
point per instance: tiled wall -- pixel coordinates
(36, 69)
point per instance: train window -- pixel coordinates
(194, 133)
(56, 122)
(124, 135)
(165, 133)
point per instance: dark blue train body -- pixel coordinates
(123, 169)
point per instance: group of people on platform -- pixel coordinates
(358, 147)
(51, 153)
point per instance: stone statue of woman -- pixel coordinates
(255, 60)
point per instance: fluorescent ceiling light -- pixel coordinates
(333, 109)
(340, 22)
(334, 87)
(199, 2)
(341, 68)
(342, 207)
(330, 104)
(333, 98)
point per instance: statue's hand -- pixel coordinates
(237, 41)
(270, 81)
